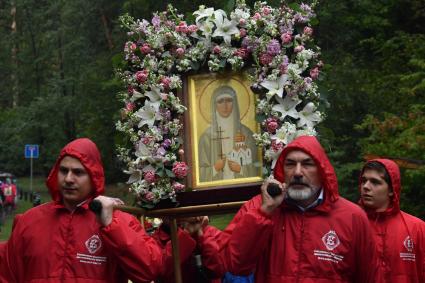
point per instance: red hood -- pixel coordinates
(394, 173)
(311, 146)
(86, 151)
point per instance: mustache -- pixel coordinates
(298, 182)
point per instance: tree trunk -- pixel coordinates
(14, 52)
(106, 29)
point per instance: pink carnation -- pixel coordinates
(180, 169)
(166, 81)
(286, 38)
(182, 27)
(271, 125)
(242, 21)
(266, 59)
(177, 187)
(314, 73)
(276, 147)
(193, 28)
(256, 16)
(149, 196)
(241, 52)
(242, 32)
(216, 49)
(149, 176)
(308, 31)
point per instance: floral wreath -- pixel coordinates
(275, 44)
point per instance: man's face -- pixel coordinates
(73, 181)
(375, 191)
(224, 106)
(301, 176)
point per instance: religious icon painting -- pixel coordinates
(221, 109)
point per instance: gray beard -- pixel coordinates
(302, 194)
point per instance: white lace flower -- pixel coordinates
(286, 106)
(308, 116)
(224, 27)
(275, 87)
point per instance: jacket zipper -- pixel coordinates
(300, 247)
(65, 255)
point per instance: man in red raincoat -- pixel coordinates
(308, 233)
(400, 237)
(63, 241)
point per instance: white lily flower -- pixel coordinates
(308, 116)
(224, 27)
(286, 106)
(148, 113)
(285, 134)
(135, 175)
(154, 94)
(203, 13)
(275, 87)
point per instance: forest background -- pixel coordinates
(57, 82)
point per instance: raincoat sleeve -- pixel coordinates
(249, 228)
(210, 252)
(186, 247)
(139, 255)
(366, 253)
(11, 266)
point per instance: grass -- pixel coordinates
(115, 190)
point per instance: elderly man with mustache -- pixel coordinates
(307, 233)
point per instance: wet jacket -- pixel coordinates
(400, 237)
(206, 245)
(331, 242)
(52, 244)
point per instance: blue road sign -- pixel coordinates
(31, 151)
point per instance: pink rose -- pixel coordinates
(299, 48)
(130, 89)
(256, 16)
(308, 31)
(242, 21)
(142, 76)
(177, 187)
(314, 73)
(180, 51)
(242, 32)
(145, 49)
(133, 46)
(266, 11)
(149, 176)
(180, 169)
(286, 38)
(130, 106)
(266, 58)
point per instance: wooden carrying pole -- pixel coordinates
(177, 212)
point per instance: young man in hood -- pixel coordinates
(63, 241)
(400, 237)
(308, 233)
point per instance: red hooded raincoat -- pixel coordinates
(52, 244)
(400, 237)
(331, 242)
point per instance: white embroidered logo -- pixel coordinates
(331, 240)
(408, 243)
(93, 244)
